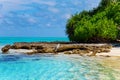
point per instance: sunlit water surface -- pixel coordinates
(17, 66)
(52, 67)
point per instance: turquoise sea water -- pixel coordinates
(11, 40)
(17, 66)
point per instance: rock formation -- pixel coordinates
(6, 48)
(66, 48)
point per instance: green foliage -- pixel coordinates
(98, 25)
(106, 29)
(83, 31)
(71, 24)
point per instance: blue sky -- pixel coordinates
(39, 18)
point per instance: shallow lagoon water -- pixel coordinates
(52, 67)
(15, 66)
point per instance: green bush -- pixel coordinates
(99, 25)
(84, 32)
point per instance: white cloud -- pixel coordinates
(34, 11)
(1, 16)
(8, 6)
(32, 20)
(53, 9)
(77, 3)
(48, 25)
(13, 5)
(49, 3)
(67, 16)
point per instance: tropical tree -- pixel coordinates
(101, 24)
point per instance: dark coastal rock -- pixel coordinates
(68, 52)
(6, 48)
(21, 46)
(71, 47)
(81, 52)
(66, 48)
(49, 50)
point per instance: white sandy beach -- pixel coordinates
(115, 51)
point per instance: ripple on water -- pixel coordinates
(51, 67)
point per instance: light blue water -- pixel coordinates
(17, 66)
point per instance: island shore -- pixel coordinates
(63, 47)
(115, 52)
(107, 55)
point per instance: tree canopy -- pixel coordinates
(101, 24)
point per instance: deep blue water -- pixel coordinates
(15, 66)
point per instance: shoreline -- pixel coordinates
(115, 52)
(107, 59)
(94, 49)
(53, 47)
